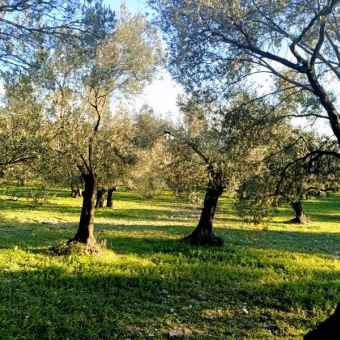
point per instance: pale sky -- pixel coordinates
(162, 93)
(134, 5)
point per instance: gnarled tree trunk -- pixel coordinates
(203, 234)
(109, 202)
(300, 216)
(100, 198)
(85, 233)
(75, 193)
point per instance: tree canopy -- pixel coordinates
(215, 43)
(26, 25)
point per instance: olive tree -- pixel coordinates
(80, 88)
(27, 29)
(216, 144)
(287, 173)
(150, 143)
(117, 153)
(22, 126)
(215, 43)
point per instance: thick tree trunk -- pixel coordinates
(327, 330)
(100, 198)
(109, 202)
(75, 193)
(85, 233)
(300, 216)
(203, 234)
(326, 102)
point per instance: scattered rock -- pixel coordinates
(175, 334)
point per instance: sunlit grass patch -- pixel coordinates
(272, 282)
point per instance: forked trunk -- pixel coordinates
(85, 233)
(109, 202)
(100, 198)
(300, 216)
(203, 234)
(75, 193)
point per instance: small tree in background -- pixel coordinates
(288, 172)
(151, 146)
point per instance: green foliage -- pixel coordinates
(147, 183)
(272, 284)
(287, 171)
(40, 197)
(253, 204)
(29, 25)
(212, 46)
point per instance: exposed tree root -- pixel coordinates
(299, 220)
(75, 248)
(204, 239)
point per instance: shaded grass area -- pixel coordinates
(273, 281)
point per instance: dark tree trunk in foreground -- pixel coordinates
(300, 216)
(85, 233)
(203, 234)
(75, 192)
(109, 202)
(100, 198)
(327, 330)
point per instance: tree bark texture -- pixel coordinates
(300, 216)
(327, 330)
(100, 198)
(85, 233)
(203, 234)
(23, 181)
(109, 202)
(75, 193)
(326, 102)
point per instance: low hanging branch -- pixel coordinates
(316, 153)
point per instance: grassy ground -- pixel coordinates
(274, 281)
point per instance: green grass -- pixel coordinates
(273, 281)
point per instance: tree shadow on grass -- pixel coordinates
(303, 241)
(166, 237)
(161, 274)
(142, 243)
(121, 298)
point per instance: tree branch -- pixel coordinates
(319, 43)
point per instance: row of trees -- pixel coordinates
(64, 62)
(217, 48)
(216, 45)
